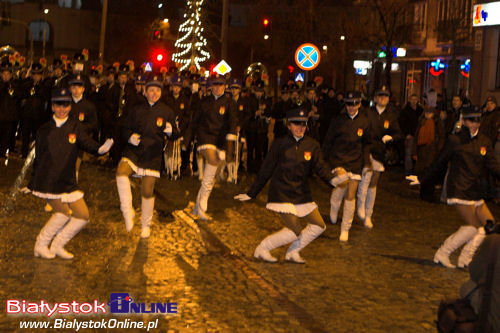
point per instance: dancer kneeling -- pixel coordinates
(145, 130)
(58, 143)
(289, 164)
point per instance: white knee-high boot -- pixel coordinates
(463, 235)
(206, 187)
(67, 233)
(50, 229)
(125, 194)
(147, 209)
(280, 238)
(307, 235)
(366, 177)
(347, 217)
(470, 248)
(370, 202)
(335, 202)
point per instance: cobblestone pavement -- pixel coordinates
(383, 280)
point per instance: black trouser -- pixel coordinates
(13, 137)
(7, 131)
(28, 132)
(256, 150)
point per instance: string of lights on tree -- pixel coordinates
(192, 42)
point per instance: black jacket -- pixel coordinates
(468, 157)
(34, 107)
(279, 115)
(10, 95)
(289, 163)
(490, 122)
(212, 121)
(243, 113)
(347, 142)
(382, 124)
(408, 119)
(182, 109)
(85, 112)
(56, 150)
(259, 123)
(149, 122)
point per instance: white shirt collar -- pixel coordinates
(472, 135)
(354, 116)
(77, 100)
(59, 122)
(297, 138)
(380, 110)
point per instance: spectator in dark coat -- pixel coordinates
(408, 122)
(429, 140)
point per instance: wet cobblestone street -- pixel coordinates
(382, 280)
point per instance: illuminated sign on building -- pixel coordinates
(486, 14)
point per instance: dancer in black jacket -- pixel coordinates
(145, 129)
(57, 145)
(346, 147)
(468, 153)
(289, 164)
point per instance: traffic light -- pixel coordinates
(157, 34)
(159, 57)
(266, 28)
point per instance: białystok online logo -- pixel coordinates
(121, 303)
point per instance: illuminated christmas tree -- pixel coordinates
(190, 45)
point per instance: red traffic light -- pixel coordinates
(159, 56)
(156, 33)
(265, 22)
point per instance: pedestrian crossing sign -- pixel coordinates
(148, 67)
(222, 68)
(299, 77)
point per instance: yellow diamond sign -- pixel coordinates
(222, 68)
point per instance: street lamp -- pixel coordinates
(46, 11)
(325, 48)
(342, 37)
(165, 20)
(160, 5)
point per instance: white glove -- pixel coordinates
(134, 139)
(106, 146)
(242, 197)
(168, 129)
(386, 138)
(222, 155)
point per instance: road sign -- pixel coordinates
(222, 68)
(307, 56)
(299, 77)
(148, 67)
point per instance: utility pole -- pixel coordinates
(103, 31)
(225, 23)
